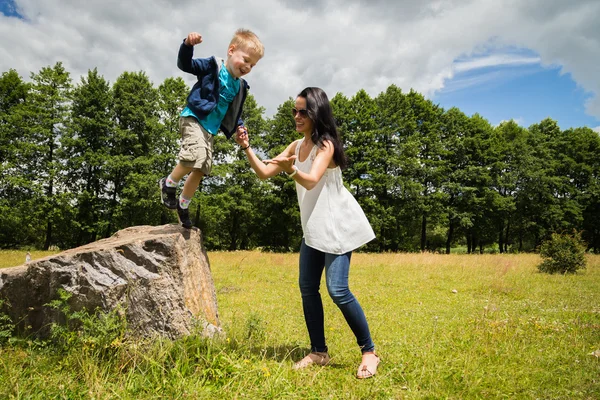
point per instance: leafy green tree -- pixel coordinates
(486, 202)
(172, 94)
(86, 155)
(393, 188)
(46, 117)
(460, 196)
(425, 142)
(132, 158)
(15, 195)
(358, 124)
(509, 170)
(358, 120)
(538, 200)
(578, 166)
(13, 93)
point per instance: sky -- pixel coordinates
(504, 59)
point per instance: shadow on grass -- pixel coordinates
(290, 352)
(280, 353)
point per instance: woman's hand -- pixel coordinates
(283, 162)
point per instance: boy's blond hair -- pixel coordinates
(247, 39)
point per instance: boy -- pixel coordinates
(215, 102)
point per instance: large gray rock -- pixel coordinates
(160, 275)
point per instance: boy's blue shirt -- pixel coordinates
(229, 87)
(204, 96)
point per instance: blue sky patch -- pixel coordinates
(8, 8)
(504, 85)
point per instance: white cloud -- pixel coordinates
(495, 60)
(597, 129)
(486, 80)
(341, 46)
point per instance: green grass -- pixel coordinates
(12, 258)
(507, 331)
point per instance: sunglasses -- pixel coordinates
(303, 112)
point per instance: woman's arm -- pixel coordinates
(263, 171)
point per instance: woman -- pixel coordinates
(332, 222)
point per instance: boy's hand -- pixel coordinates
(193, 39)
(241, 137)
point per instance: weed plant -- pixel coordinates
(563, 254)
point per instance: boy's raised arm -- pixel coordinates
(185, 61)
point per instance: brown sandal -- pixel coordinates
(316, 358)
(368, 369)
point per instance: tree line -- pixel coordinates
(79, 161)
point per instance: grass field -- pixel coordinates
(456, 326)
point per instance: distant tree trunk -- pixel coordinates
(506, 235)
(449, 238)
(50, 197)
(423, 232)
(233, 233)
(163, 216)
(520, 241)
(110, 215)
(469, 237)
(244, 243)
(197, 217)
(48, 235)
(113, 204)
(397, 237)
(501, 237)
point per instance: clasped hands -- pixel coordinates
(283, 162)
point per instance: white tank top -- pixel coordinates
(332, 220)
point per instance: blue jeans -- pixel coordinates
(336, 267)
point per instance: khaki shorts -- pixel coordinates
(196, 145)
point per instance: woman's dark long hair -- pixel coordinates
(321, 114)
